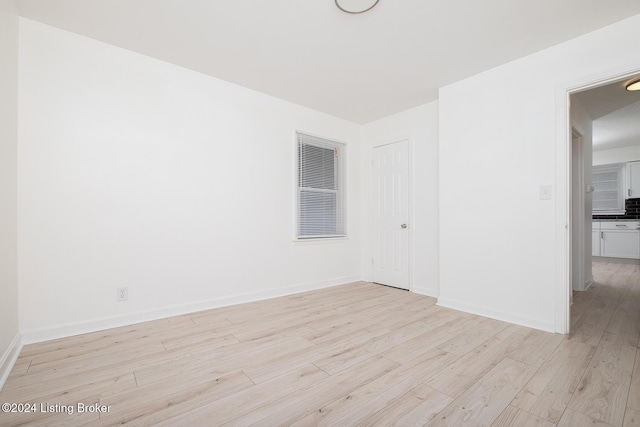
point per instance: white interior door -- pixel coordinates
(391, 214)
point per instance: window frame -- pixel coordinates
(340, 168)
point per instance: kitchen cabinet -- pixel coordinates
(633, 180)
(618, 240)
(595, 239)
(609, 189)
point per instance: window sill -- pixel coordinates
(320, 240)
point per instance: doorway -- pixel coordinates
(597, 101)
(390, 207)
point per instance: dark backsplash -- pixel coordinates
(632, 208)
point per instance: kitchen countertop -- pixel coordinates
(614, 219)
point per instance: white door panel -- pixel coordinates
(391, 214)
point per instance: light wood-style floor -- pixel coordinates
(359, 354)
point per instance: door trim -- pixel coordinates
(578, 247)
(372, 230)
(563, 183)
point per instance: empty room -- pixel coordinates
(327, 212)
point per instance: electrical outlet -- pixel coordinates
(122, 294)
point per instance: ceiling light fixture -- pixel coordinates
(356, 6)
(633, 85)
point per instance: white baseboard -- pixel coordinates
(430, 292)
(588, 284)
(99, 324)
(9, 358)
(615, 260)
(496, 314)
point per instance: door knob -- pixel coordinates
(403, 225)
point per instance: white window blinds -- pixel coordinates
(608, 184)
(320, 188)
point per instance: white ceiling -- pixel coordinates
(618, 129)
(358, 67)
(615, 113)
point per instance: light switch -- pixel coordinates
(545, 192)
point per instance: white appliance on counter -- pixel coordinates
(616, 239)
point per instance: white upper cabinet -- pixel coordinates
(633, 180)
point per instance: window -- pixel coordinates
(321, 210)
(608, 189)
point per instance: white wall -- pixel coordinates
(420, 125)
(134, 172)
(9, 337)
(616, 155)
(584, 124)
(499, 253)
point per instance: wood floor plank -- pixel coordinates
(245, 401)
(572, 418)
(610, 298)
(228, 359)
(630, 302)
(68, 398)
(590, 328)
(77, 363)
(289, 409)
(537, 348)
(333, 332)
(484, 401)
(400, 316)
(101, 338)
(278, 365)
(343, 359)
(432, 338)
(359, 305)
(481, 331)
(21, 366)
(578, 308)
(633, 400)
(623, 328)
(415, 408)
(196, 388)
(104, 366)
(603, 390)
(456, 378)
(516, 417)
(548, 392)
(358, 405)
(631, 418)
(45, 394)
(355, 354)
(74, 375)
(193, 337)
